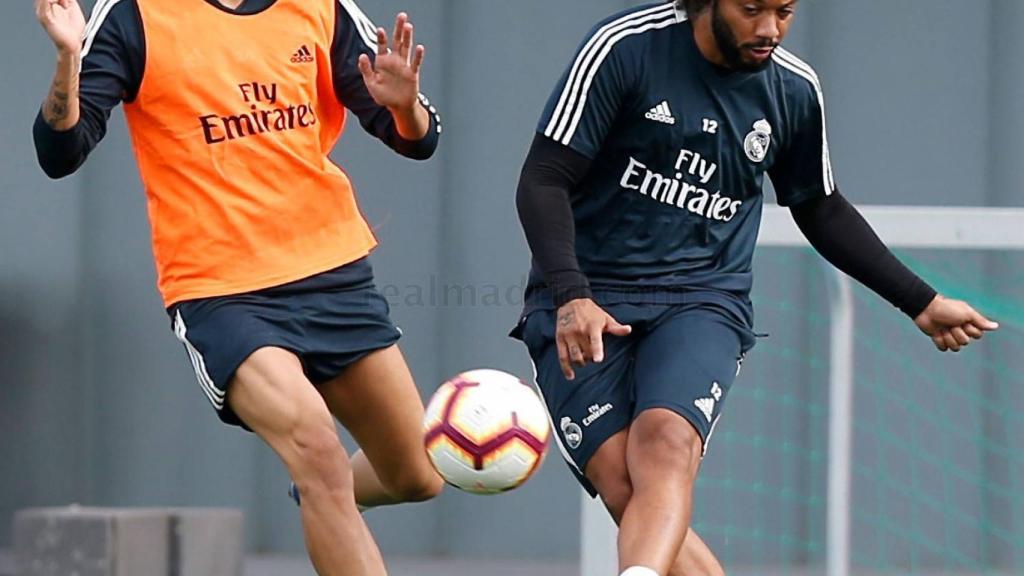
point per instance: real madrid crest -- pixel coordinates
(757, 142)
(572, 432)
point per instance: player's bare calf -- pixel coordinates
(377, 401)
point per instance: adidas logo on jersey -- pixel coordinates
(302, 56)
(661, 113)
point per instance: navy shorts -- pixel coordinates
(683, 358)
(329, 321)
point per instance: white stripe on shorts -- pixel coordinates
(215, 396)
(551, 420)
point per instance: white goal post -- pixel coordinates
(925, 227)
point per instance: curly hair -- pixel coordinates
(693, 7)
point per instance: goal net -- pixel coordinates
(849, 445)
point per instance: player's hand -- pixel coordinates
(393, 79)
(579, 333)
(952, 324)
(64, 23)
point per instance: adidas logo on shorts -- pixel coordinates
(707, 405)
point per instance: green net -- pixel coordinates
(937, 458)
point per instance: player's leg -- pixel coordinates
(607, 471)
(270, 393)
(348, 346)
(684, 368)
(377, 401)
(662, 456)
(241, 348)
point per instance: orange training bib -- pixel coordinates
(232, 128)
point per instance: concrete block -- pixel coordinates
(6, 563)
(206, 542)
(79, 541)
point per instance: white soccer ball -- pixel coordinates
(486, 431)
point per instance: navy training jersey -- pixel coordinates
(671, 207)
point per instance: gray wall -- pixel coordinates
(100, 407)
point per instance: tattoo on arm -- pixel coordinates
(56, 108)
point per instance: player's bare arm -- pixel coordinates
(65, 24)
(393, 79)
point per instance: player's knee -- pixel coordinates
(416, 487)
(666, 443)
(318, 460)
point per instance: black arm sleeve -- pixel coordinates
(839, 233)
(354, 34)
(112, 66)
(550, 173)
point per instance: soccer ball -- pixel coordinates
(486, 431)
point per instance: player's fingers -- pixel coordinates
(613, 327)
(405, 48)
(399, 32)
(382, 42)
(973, 331)
(43, 10)
(597, 344)
(417, 59)
(576, 352)
(563, 359)
(960, 336)
(365, 66)
(982, 322)
(616, 329)
(950, 341)
(575, 343)
(939, 342)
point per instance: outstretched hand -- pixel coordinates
(393, 79)
(952, 324)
